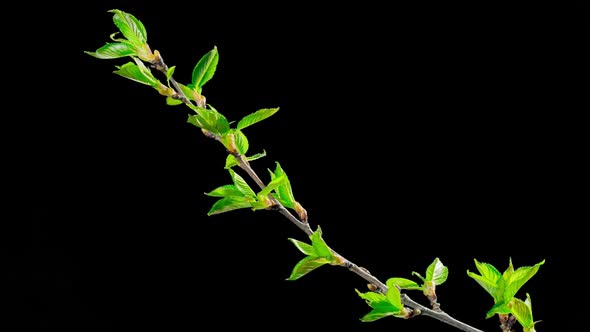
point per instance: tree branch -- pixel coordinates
(304, 226)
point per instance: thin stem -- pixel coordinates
(304, 226)
(362, 272)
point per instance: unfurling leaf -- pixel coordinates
(503, 287)
(523, 311)
(394, 297)
(272, 185)
(383, 305)
(518, 278)
(229, 204)
(130, 27)
(255, 117)
(403, 283)
(172, 101)
(227, 190)
(318, 254)
(307, 265)
(241, 184)
(498, 308)
(284, 191)
(320, 246)
(437, 272)
(205, 69)
(170, 72)
(137, 72)
(210, 120)
(241, 142)
(113, 51)
(303, 247)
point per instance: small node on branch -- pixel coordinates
(301, 212)
(158, 63)
(372, 287)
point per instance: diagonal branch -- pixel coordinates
(305, 227)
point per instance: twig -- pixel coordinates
(304, 226)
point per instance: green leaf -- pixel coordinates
(173, 102)
(523, 312)
(255, 117)
(217, 122)
(284, 191)
(241, 184)
(381, 304)
(210, 120)
(437, 272)
(488, 285)
(205, 69)
(113, 51)
(303, 247)
(137, 72)
(230, 161)
(374, 315)
(228, 204)
(394, 297)
(306, 265)
(189, 93)
(488, 271)
(272, 185)
(403, 283)
(130, 27)
(241, 142)
(225, 191)
(170, 72)
(371, 297)
(320, 246)
(518, 278)
(498, 308)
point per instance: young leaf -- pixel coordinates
(381, 305)
(225, 191)
(437, 272)
(374, 315)
(272, 185)
(113, 51)
(488, 271)
(255, 117)
(518, 278)
(523, 312)
(241, 184)
(498, 308)
(285, 193)
(403, 283)
(306, 265)
(210, 120)
(190, 93)
(487, 284)
(130, 27)
(394, 298)
(320, 246)
(230, 161)
(173, 102)
(170, 72)
(372, 297)
(205, 69)
(137, 72)
(228, 204)
(303, 247)
(241, 142)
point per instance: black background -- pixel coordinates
(408, 133)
